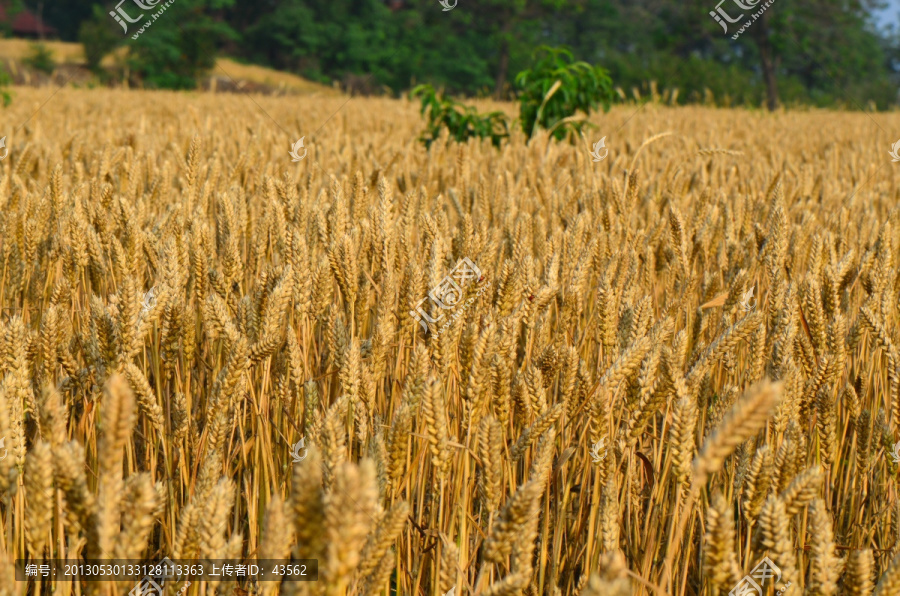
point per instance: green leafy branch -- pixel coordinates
(463, 122)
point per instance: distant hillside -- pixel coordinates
(227, 76)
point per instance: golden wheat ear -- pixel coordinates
(859, 573)
(890, 580)
(748, 416)
(40, 497)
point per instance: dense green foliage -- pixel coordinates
(67, 15)
(825, 51)
(97, 38)
(556, 89)
(179, 45)
(820, 52)
(462, 122)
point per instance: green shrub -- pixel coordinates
(40, 58)
(551, 93)
(463, 122)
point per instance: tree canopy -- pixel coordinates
(818, 52)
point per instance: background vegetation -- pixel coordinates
(818, 52)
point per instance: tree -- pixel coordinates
(806, 51)
(66, 17)
(322, 38)
(97, 38)
(762, 36)
(820, 52)
(518, 21)
(829, 46)
(179, 45)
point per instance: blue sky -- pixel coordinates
(890, 15)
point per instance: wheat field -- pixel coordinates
(671, 364)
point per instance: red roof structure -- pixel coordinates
(26, 24)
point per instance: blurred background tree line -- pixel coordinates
(816, 52)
